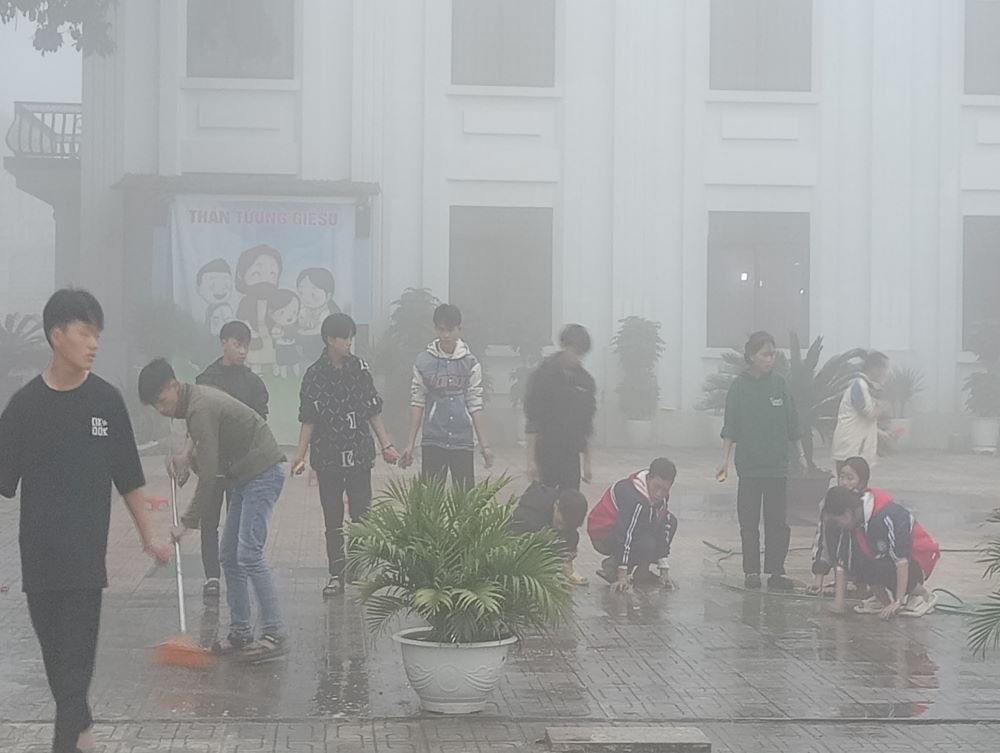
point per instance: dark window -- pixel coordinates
(761, 45)
(501, 273)
(503, 42)
(982, 53)
(758, 276)
(241, 39)
(980, 273)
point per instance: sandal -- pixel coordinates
(230, 645)
(920, 606)
(269, 647)
(576, 579)
(871, 605)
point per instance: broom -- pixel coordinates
(180, 651)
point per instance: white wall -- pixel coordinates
(630, 148)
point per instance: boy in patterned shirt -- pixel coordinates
(339, 408)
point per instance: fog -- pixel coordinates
(711, 168)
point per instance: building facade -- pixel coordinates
(718, 166)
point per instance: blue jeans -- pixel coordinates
(242, 553)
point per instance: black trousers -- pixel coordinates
(437, 462)
(333, 484)
(210, 516)
(558, 463)
(771, 495)
(67, 623)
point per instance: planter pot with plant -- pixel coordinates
(816, 391)
(639, 348)
(447, 556)
(23, 352)
(900, 389)
(983, 387)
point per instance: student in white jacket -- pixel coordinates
(857, 432)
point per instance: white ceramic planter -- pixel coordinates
(639, 433)
(452, 678)
(985, 433)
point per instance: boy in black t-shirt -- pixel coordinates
(339, 408)
(559, 406)
(65, 437)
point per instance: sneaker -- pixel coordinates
(780, 583)
(230, 645)
(334, 586)
(751, 581)
(211, 589)
(268, 648)
(575, 579)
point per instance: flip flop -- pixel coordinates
(871, 605)
(922, 607)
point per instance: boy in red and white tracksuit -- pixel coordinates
(633, 528)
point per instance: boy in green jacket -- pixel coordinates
(232, 445)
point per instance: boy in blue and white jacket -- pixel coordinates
(446, 400)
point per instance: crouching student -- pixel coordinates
(884, 547)
(563, 510)
(854, 475)
(633, 528)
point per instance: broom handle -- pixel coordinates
(177, 557)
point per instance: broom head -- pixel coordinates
(182, 652)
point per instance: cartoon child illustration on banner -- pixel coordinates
(316, 288)
(257, 275)
(283, 326)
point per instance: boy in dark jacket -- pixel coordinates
(633, 528)
(339, 408)
(230, 374)
(559, 406)
(446, 400)
(563, 510)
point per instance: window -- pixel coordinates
(503, 42)
(501, 273)
(761, 45)
(758, 276)
(980, 273)
(241, 39)
(982, 53)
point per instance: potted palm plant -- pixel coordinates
(983, 387)
(638, 347)
(447, 556)
(817, 391)
(900, 389)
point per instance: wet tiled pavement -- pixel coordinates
(756, 672)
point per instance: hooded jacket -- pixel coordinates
(449, 387)
(638, 531)
(856, 434)
(236, 380)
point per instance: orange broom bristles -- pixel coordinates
(182, 652)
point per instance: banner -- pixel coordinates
(279, 266)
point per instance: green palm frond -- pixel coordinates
(984, 626)
(447, 555)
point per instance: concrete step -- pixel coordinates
(631, 739)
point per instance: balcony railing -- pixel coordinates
(46, 129)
